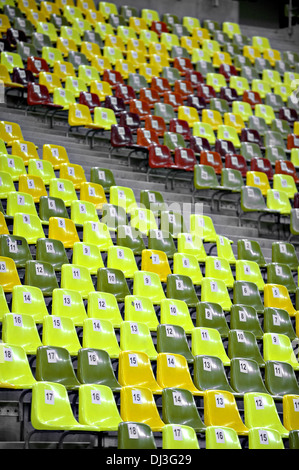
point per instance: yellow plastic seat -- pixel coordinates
(14, 165)
(243, 109)
(220, 409)
(235, 121)
(69, 32)
(191, 244)
(50, 80)
(266, 112)
(65, 45)
(212, 117)
(137, 24)
(148, 37)
(276, 295)
(173, 372)
(20, 330)
(68, 303)
(189, 43)
(107, 9)
(73, 172)
(219, 268)
(278, 347)
(137, 404)
(51, 55)
(136, 336)
(150, 15)
(15, 372)
(121, 257)
(187, 265)
(215, 290)
(87, 255)
(78, 278)
(125, 67)
(88, 73)
(104, 118)
(207, 341)
(93, 193)
(25, 149)
(98, 234)
(101, 88)
(75, 85)
(3, 225)
(231, 28)
(261, 43)
(56, 154)
(9, 276)
(10, 131)
(240, 84)
(60, 331)
(225, 132)
(290, 415)
(176, 312)
(63, 189)
(262, 87)
(221, 58)
(155, 261)
(28, 226)
(252, 52)
(249, 271)
(100, 334)
(201, 35)
(135, 370)
(189, 114)
(260, 411)
(258, 179)
(190, 23)
(11, 60)
(104, 306)
(33, 185)
(148, 284)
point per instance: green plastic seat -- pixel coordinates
(247, 293)
(100, 334)
(95, 367)
(16, 248)
(52, 207)
(278, 320)
(176, 312)
(207, 341)
(245, 317)
(113, 216)
(102, 176)
(54, 364)
(68, 303)
(172, 222)
(77, 277)
(244, 344)
(209, 373)
(51, 251)
(250, 250)
(162, 241)
(134, 435)
(112, 281)
(260, 411)
(294, 439)
(284, 252)
(131, 238)
(179, 407)
(205, 178)
(250, 150)
(42, 275)
(245, 376)
(136, 336)
(211, 315)
(263, 439)
(21, 330)
(278, 273)
(173, 339)
(153, 200)
(280, 378)
(180, 287)
(15, 372)
(104, 305)
(222, 438)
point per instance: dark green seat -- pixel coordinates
(219, 104)
(77, 58)
(250, 250)
(165, 111)
(93, 36)
(245, 317)
(94, 367)
(181, 287)
(273, 153)
(153, 200)
(280, 378)
(40, 40)
(179, 407)
(294, 439)
(278, 320)
(260, 64)
(247, 293)
(127, 11)
(172, 74)
(273, 139)
(25, 50)
(172, 339)
(137, 81)
(41, 274)
(54, 364)
(58, 20)
(52, 251)
(172, 222)
(252, 200)
(278, 273)
(250, 150)
(113, 281)
(275, 101)
(204, 67)
(283, 252)
(231, 180)
(205, 177)
(162, 241)
(209, 374)
(15, 247)
(102, 176)
(245, 376)
(294, 221)
(211, 315)
(250, 73)
(133, 435)
(131, 238)
(52, 207)
(243, 344)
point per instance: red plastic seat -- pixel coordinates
(199, 143)
(288, 114)
(37, 65)
(252, 97)
(155, 123)
(160, 84)
(145, 138)
(132, 120)
(228, 94)
(228, 70)
(159, 27)
(296, 201)
(206, 91)
(286, 167)
(197, 102)
(236, 161)
(263, 165)
(173, 98)
(116, 104)
(91, 100)
(183, 64)
(212, 159)
(223, 147)
(140, 107)
(179, 126)
(13, 36)
(122, 136)
(38, 95)
(252, 136)
(194, 77)
(22, 76)
(113, 77)
(184, 87)
(159, 156)
(185, 159)
(150, 96)
(126, 92)
(292, 141)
